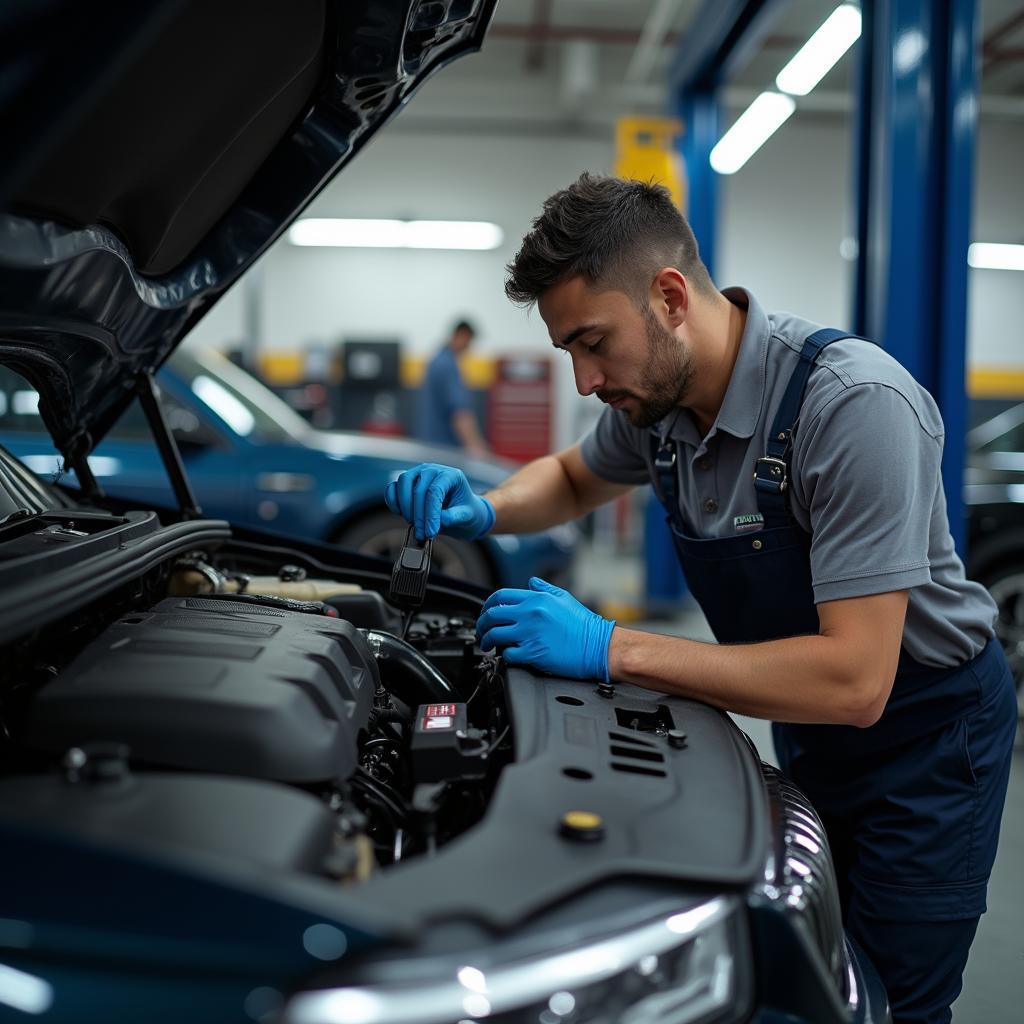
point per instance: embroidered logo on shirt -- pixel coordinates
(747, 524)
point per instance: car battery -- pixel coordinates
(444, 747)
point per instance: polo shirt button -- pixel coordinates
(704, 462)
(711, 505)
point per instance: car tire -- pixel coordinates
(1006, 585)
(383, 534)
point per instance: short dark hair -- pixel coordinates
(464, 325)
(613, 233)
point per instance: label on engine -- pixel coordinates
(438, 716)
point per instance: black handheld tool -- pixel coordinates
(409, 576)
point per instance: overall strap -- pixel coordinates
(771, 471)
(664, 456)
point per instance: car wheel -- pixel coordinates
(1006, 585)
(383, 534)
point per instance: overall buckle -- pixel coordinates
(770, 474)
(665, 457)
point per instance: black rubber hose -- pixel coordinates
(413, 678)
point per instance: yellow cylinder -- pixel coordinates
(647, 149)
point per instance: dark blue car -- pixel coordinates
(254, 461)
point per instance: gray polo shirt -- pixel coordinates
(865, 477)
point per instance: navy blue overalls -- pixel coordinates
(912, 804)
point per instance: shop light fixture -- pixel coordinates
(771, 109)
(995, 256)
(396, 234)
(816, 58)
(752, 129)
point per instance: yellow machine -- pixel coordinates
(647, 149)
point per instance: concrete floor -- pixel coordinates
(993, 989)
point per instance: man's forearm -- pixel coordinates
(797, 679)
(535, 497)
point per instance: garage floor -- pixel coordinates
(994, 981)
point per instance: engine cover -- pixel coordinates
(240, 820)
(218, 686)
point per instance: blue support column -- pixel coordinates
(664, 584)
(917, 134)
(699, 113)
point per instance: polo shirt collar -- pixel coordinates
(744, 397)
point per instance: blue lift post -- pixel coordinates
(916, 140)
(723, 36)
(664, 585)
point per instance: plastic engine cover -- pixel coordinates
(218, 686)
(240, 820)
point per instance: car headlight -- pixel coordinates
(800, 876)
(681, 969)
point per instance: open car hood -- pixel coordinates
(154, 151)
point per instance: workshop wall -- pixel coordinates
(415, 294)
(782, 220)
(995, 298)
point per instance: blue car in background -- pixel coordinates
(253, 461)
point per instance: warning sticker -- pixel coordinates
(439, 716)
(438, 709)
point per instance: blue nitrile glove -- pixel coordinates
(439, 499)
(546, 627)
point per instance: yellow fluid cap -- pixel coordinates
(582, 825)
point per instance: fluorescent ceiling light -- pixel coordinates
(821, 52)
(995, 256)
(752, 129)
(396, 234)
(359, 233)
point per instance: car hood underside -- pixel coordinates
(144, 183)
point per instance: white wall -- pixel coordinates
(781, 220)
(995, 298)
(415, 294)
(783, 216)
(317, 296)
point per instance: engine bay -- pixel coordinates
(252, 706)
(245, 707)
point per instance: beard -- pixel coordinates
(666, 378)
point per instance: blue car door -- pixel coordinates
(210, 456)
(126, 463)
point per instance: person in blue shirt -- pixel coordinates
(444, 410)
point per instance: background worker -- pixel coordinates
(444, 409)
(800, 470)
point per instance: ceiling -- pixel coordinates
(571, 67)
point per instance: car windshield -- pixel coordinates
(249, 408)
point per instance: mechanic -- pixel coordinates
(444, 410)
(800, 469)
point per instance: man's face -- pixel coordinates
(625, 356)
(462, 339)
